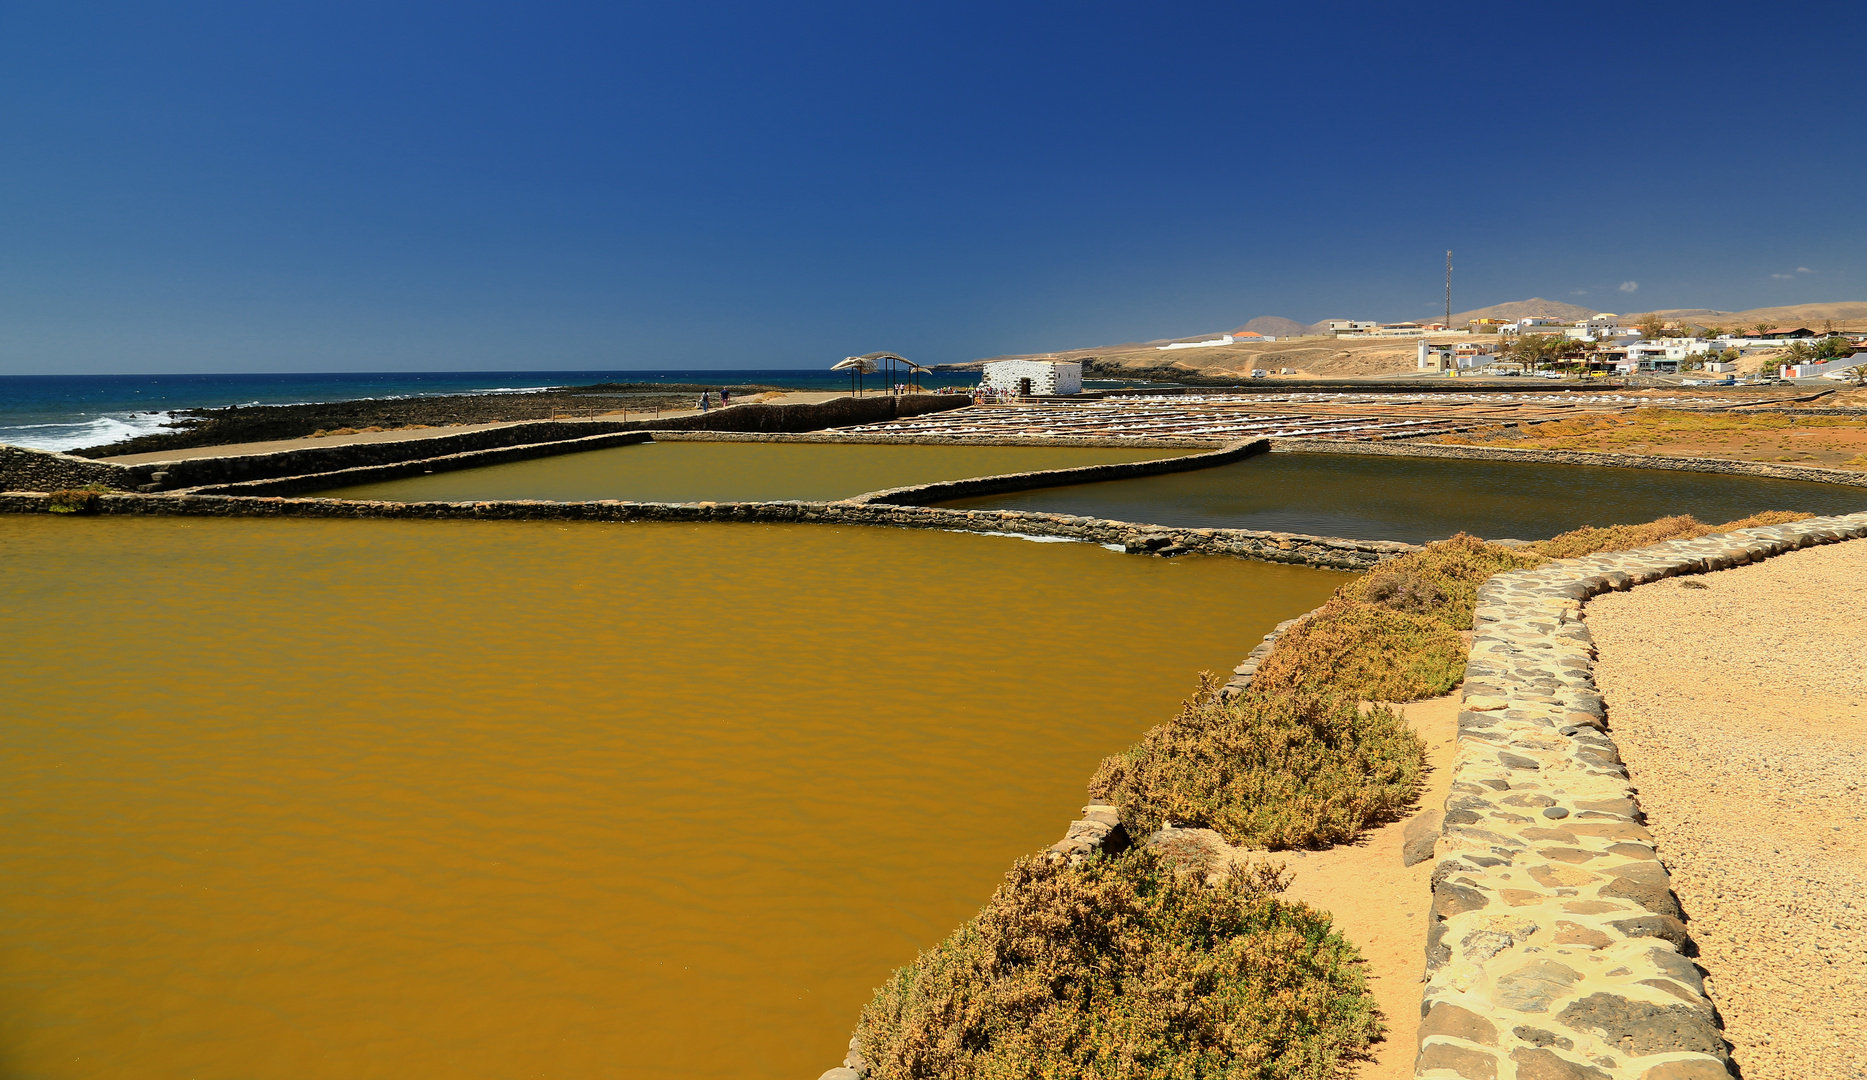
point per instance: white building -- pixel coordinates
(1831, 368)
(1034, 378)
(1225, 340)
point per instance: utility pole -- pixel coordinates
(1448, 290)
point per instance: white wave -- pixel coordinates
(77, 433)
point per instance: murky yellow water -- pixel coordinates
(732, 471)
(304, 800)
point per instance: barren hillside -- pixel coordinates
(1313, 357)
(1846, 315)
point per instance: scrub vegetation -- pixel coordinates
(1283, 770)
(1830, 441)
(76, 500)
(1593, 540)
(1123, 966)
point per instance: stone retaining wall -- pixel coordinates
(395, 470)
(25, 469)
(944, 490)
(32, 470)
(1556, 949)
(1592, 458)
(1334, 553)
(924, 439)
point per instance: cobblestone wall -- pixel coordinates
(1556, 949)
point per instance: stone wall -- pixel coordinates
(1597, 459)
(881, 438)
(1556, 949)
(1334, 553)
(396, 469)
(24, 469)
(941, 491)
(31, 470)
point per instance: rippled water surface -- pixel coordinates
(299, 799)
(729, 471)
(1421, 499)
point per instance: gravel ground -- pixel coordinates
(1741, 711)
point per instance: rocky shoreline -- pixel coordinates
(266, 423)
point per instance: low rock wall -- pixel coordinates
(1334, 553)
(1596, 459)
(878, 438)
(395, 470)
(26, 469)
(1556, 949)
(941, 491)
(22, 469)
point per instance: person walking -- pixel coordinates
(726, 398)
(705, 401)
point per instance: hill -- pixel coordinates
(1534, 308)
(1274, 326)
(1845, 314)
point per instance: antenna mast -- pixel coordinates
(1448, 290)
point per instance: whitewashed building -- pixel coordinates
(1034, 378)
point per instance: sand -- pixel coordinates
(1741, 711)
(1381, 905)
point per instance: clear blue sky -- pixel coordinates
(259, 186)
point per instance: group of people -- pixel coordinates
(706, 399)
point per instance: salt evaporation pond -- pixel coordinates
(1369, 497)
(304, 799)
(733, 471)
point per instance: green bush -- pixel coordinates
(1287, 770)
(1123, 969)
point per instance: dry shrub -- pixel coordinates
(1122, 968)
(1451, 568)
(1768, 517)
(1298, 769)
(1593, 540)
(81, 500)
(1364, 651)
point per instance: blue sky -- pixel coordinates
(390, 186)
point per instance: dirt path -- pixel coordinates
(1381, 905)
(1741, 711)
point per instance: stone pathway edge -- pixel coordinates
(1556, 949)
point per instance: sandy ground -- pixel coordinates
(1381, 905)
(1741, 710)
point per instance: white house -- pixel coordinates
(1034, 378)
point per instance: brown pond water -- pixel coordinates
(301, 799)
(734, 471)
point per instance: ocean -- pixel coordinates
(64, 412)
